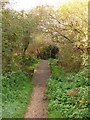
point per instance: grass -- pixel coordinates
(67, 93)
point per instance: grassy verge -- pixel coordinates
(67, 93)
(17, 89)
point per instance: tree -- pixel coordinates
(17, 34)
(69, 25)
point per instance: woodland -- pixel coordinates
(43, 33)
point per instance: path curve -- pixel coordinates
(37, 106)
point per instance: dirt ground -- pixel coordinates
(37, 106)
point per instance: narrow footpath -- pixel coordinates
(37, 106)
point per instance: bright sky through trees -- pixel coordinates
(29, 4)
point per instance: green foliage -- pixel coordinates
(16, 91)
(82, 78)
(17, 29)
(29, 64)
(32, 60)
(67, 93)
(17, 88)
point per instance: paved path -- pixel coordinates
(36, 108)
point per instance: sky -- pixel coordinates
(29, 4)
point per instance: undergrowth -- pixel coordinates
(67, 93)
(16, 90)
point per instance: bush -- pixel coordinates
(30, 60)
